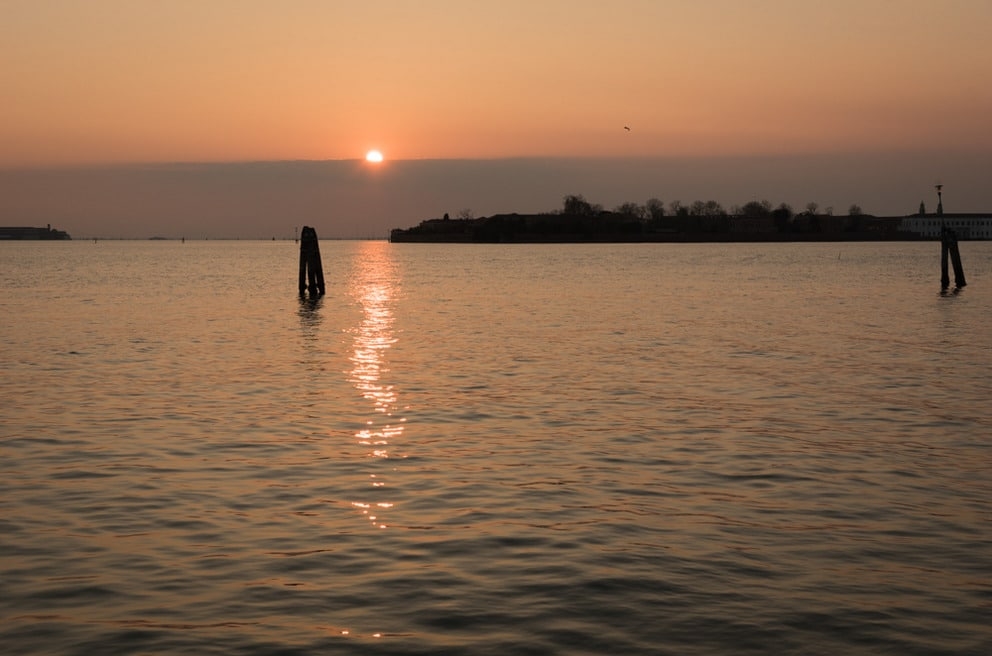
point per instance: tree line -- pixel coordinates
(579, 220)
(577, 205)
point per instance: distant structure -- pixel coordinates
(33, 233)
(970, 227)
(703, 222)
(311, 268)
(967, 226)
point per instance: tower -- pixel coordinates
(940, 202)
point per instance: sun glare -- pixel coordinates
(373, 156)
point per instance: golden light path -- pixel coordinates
(373, 285)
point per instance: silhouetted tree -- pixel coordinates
(854, 210)
(655, 208)
(578, 206)
(756, 209)
(465, 214)
(783, 215)
(632, 210)
(811, 208)
(709, 208)
(784, 209)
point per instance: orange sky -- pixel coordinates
(102, 81)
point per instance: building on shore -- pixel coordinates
(961, 226)
(33, 233)
(967, 226)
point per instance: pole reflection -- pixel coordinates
(374, 283)
(312, 359)
(309, 318)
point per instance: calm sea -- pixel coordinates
(461, 449)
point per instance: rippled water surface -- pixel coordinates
(554, 449)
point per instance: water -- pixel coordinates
(548, 449)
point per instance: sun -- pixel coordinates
(373, 156)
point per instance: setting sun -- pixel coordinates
(373, 156)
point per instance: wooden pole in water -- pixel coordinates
(948, 247)
(952, 247)
(945, 278)
(311, 268)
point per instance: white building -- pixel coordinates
(967, 226)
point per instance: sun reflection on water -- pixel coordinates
(374, 285)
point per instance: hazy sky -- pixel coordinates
(97, 82)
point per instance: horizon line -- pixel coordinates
(83, 165)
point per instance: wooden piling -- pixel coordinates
(949, 249)
(945, 278)
(311, 268)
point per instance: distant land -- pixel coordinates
(33, 233)
(581, 221)
(350, 199)
(609, 227)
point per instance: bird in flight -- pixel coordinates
(626, 128)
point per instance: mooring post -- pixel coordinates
(952, 248)
(948, 247)
(945, 278)
(311, 268)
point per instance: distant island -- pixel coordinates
(580, 221)
(33, 233)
